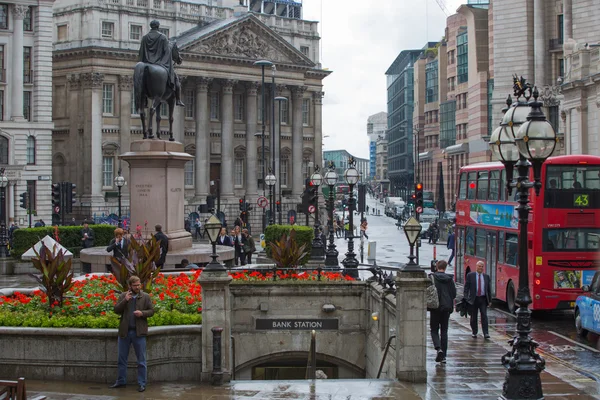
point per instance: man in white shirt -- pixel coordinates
(478, 294)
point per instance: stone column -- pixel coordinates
(202, 161)
(251, 129)
(178, 116)
(297, 140)
(318, 127)
(227, 139)
(10, 201)
(582, 122)
(73, 161)
(92, 87)
(539, 43)
(411, 331)
(216, 312)
(568, 20)
(19, 12)
(125, 91)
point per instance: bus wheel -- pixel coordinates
(510, 298)
(580, 331)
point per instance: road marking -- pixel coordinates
(575, 342)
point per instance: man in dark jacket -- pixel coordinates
(119, 245)
(87, 236)
(478, 293)
(164, 245)
(450, 246)
(440, 317)
(135, 307)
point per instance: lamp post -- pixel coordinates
(331, 178)
(270, 179)
(3, 235)
(263, 64)
(317, 245)
(412, 230)
(279, 100)
(350, 262)
(525, 139)
(120, 182)
(212, 229)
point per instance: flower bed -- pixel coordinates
(288, 276)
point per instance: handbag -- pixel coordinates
(431, 295)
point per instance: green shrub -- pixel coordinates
(56, 273)
(70, 237)
(304, 236)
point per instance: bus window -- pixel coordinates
(470, 242)
(472, 181)
(592, 180)
(462, 191)
(494, 185)
(501, 247)
(512, 248)
(565, 177)
(480, 243)
(482, 185)
(503, 185)
(571, 239)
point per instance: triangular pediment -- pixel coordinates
(242, 38)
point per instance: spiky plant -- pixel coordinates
(56, 273)
(286, 253)
(141, 262)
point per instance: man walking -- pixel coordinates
(439, 318)
(450, 246)
(479, 296)
(135, 307)
(163, 243)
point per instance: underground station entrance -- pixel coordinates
(292, 369)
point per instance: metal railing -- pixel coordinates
(385, 353)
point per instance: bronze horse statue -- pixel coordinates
(150, 82)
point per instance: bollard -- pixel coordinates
(217, 372)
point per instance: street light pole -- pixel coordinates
(273, 165)
(350, 262)
(263, 64)
(3, 235)
(271, 180)
(120, 182)
(279, 100)
(331, 256)
(317, 244)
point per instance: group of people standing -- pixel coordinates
(241, 240)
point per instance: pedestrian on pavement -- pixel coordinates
(135, 307)
(118, 245)
(39, 224)
(249, 246)
(185, 263)
(367, 210)
(238, 244)
(87, 241)
(224, 239)
(163, 243)
(198, 226)
(440, 317)
(479, 296)
(450, 245)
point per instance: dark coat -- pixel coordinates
(470, 292)
(119, 252)
(89, 242)
(224, 241)
(164, 247)
(156, 49)
(144, 304)
(446, 290)
(450, 244)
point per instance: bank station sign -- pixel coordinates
(263, 324)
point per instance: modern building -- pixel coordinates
(340, 159)
(95, 49)
(376, 127)
(382, 180)
(26, 108)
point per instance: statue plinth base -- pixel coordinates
(156, 188)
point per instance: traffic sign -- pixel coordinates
(262, 202)
(311, 209)
(57, 209)
(419, 210)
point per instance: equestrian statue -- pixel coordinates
(154, 78)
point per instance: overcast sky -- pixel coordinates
(360, 40)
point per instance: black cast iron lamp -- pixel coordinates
(119, 182)
(350, 262)
(316, 178)
(212, 229)
(270, 179)
(3, 233)
(351, 176)
(331, 178)
(412, 230)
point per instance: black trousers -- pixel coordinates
(438, 321)
(480, 306)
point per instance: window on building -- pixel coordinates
(62, 33)
(215, 106)
(31, 188)
(27, 69)
(462, 48)
(107, 171)
(306, 168)
(305, 50)
(188, 176)
(560, 27)
(27, 105)
(259, 168)
(447, 124)
(284, 112)
(3, 150)
(30, 150)
(284, 166)
(1, 106)
(134, 110)
(3, 16)
(164, 31)
(305, 112)
(490, 92)
(2, 70)
(135, 32)
(238, 107)
(190, 104)
(164, 110)
(431, 81)
(28, 20)
(238, 173)
(561, 67)
(108, 29)
(108, 106)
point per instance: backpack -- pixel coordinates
(431, 295)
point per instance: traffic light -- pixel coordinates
(278, 204)
(247, 206)
(419, 196)
(24, 200)
(71, 196)
(242, 204)
(56, 196)
(303, 207)
(210, 202)
(313, 195)
(362, 197)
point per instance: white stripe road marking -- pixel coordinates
(575, 342)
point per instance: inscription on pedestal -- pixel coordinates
(143, 190)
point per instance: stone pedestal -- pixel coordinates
(216, 313)
(411, 330)
(156, 188)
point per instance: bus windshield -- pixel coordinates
(566, 177)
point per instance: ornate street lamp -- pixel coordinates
(279, 100)
(533, 141)
(212, 229)
(331, 178)
(119, 182)
(412, 230)
(351, 176)
(263, 64)
(3, 234)
(270, 179)
(317, 245)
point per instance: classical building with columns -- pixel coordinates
(95, 50)
(25, 107)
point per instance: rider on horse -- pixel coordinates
(156, 49)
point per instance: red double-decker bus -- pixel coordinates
(563, 231)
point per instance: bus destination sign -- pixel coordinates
(297, 324)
